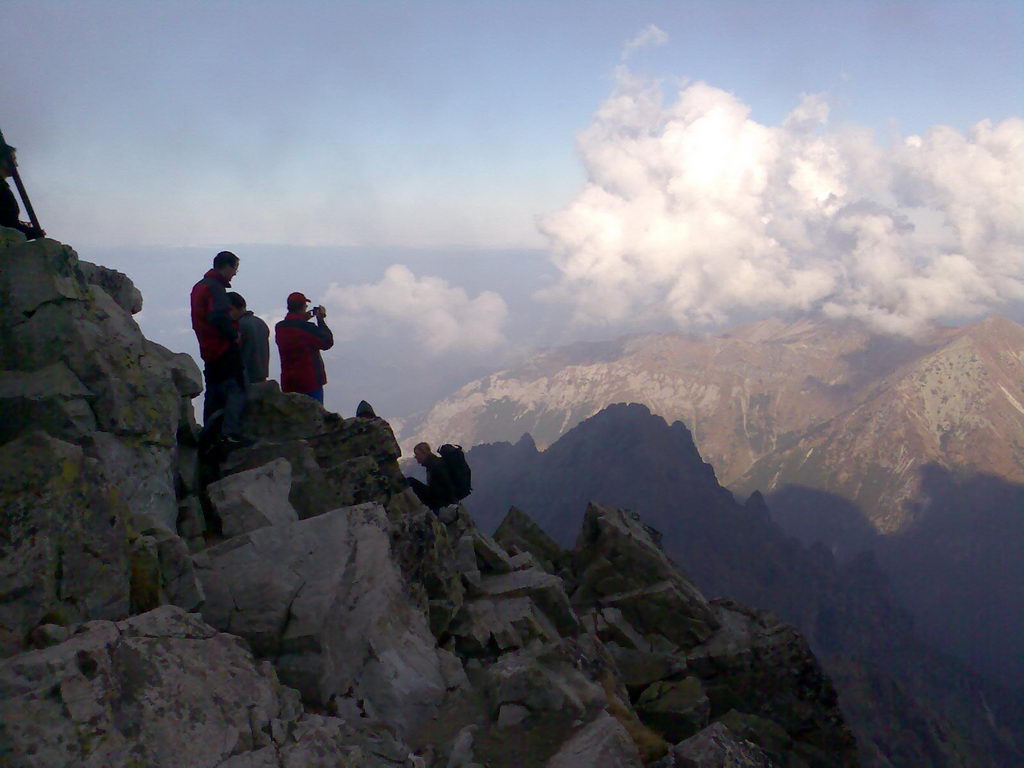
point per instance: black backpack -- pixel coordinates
(458, 470)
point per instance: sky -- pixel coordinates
(459, 182)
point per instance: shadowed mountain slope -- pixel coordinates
(819, 404)
(630, 458)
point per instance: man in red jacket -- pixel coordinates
(215, 322)
(300, 343)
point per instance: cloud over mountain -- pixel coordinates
(649, 36)
(440, 317)
(696, 212)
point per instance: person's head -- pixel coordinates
(8, 160)
(236, 304)
(297, 302)
(226, 263)
(421, 452)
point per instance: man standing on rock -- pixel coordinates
(9, 207)
(300, 343)
(255, 341)
(215, 322)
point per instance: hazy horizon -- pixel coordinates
(460, 183)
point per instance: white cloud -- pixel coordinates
(441, 318)
(649, 36)
(696, 212)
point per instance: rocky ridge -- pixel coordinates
(907, 703)
(292, 604)
(813, 403)
(910, 449)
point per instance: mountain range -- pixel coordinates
(910, 448)
(907, 703)
(817, 403)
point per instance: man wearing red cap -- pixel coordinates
(300, 343)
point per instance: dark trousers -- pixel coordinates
(225, 392)
(430, 497)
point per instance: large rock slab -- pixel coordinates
(484, 625)
(621, 564)
(519, 533)
(63, 543)
(756, 664)
(547, 681)
(602, 742)
(76, 365)
(51, 398)
(280, 416)
(185, 374)
(165, 690)
(326, 601)
(717, 747)
(144, 475)
(33, 274)
(676, 709)
(51, 314)
(543, 589)
(116, 284)
(638, 669)
(335, 462)
(254, 499)
(310, 493)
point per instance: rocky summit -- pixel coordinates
(290, 603)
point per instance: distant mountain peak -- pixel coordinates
(765, 401)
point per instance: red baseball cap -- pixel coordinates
(296, 298)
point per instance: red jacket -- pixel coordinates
(211, 319)
(300, 342)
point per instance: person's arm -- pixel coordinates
(220, 314)
(263, 351)
(323, 333)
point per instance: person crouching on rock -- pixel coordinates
(300, 343)
(9, 207)
(215, 322)
(439, 490)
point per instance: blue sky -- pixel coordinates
(428, 123)
(751, 158)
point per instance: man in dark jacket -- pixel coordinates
(300, 343)
(215, 322)
(439, 490)
(255, 341)
(9, 208)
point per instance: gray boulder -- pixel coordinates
(519, 533)
(51, 398)
(254, 499)
(165, 690)
(116, 284)
(143, 473)
(758, 665)
(676, 709)
(325, 600)
(543, 589)
(63, 542)
(602, 742)
(717, 747)
(76, 365)
(620, 563)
